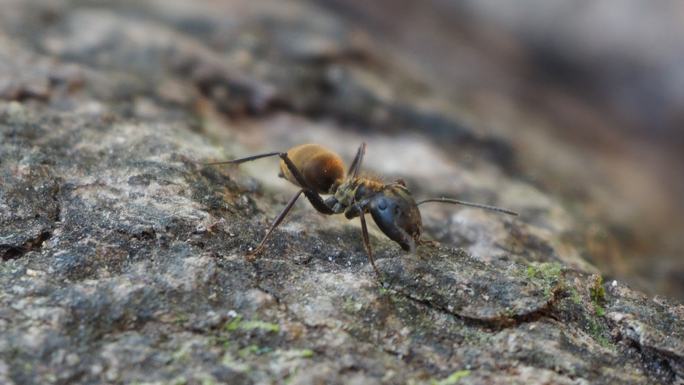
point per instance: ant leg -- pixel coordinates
(316, 200)
(242, 160)
(318, 203)
(356, 209)
(356, 163)
(252, 256)
(366, 242)
(428, 242)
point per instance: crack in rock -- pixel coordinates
(458, 284)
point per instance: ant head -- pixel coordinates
(395, 212)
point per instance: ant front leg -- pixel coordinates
(357, 210)
(366, 242)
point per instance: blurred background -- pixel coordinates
(591, 96)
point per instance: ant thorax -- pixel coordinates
(354, 190)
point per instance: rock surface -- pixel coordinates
(123, 257)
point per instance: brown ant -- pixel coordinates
(317, 170)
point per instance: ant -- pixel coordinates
(317, 170)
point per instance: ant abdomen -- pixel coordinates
(323, 170)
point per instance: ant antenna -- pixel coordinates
(479, 206)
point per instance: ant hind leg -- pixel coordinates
(316, 200)
(253, 255)
(242, 160)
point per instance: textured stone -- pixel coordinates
(123, 257)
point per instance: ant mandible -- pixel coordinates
(317, 170)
